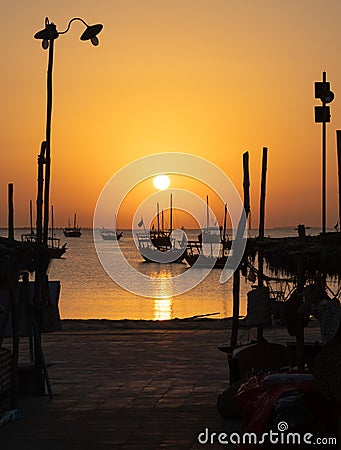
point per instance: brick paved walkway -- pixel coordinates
(129, 388)
(125, 389)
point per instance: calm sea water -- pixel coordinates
(88, 292)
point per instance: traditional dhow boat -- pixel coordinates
(199, 256)
(53, 243)
(74, 231)
(158, 245)
(211, 249)
(111, 235)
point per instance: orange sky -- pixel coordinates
(213, 78)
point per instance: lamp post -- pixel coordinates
(322, 115)
(48, 35)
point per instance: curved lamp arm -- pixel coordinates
(50, 32)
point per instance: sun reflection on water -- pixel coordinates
(163, 308)
(163, 304)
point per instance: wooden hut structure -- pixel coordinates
(318, 255)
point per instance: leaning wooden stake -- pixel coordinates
(236, 275)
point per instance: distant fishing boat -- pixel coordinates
(53, 243)
(210, 234)
(195, 255)
(74, 231)
(212, 250)
(111, 235)
(158, 245)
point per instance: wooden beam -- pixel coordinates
(10, 212)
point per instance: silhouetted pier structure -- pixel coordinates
(27, 309)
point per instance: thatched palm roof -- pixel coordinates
(320, 254)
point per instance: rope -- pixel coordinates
(268, 278)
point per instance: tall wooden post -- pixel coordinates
(48, 142)
(324, 171)
(300, 318)
(236, 302)
(15, 343)
(10, 212)
(338, 140)
(263, 193)
(246, 183)
(262, 214)
(262, 227)
(236, 275)
(40, 188)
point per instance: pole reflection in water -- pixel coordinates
(164, 301)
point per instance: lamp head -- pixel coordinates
(91, 33)
(49, 33)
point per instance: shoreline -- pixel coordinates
(312, 330)
(191, 323)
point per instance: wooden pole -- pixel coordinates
(324, 176)
(40, 188)
(262, 228)
(31, 218)
(52, 227)
(263, 193)
(15, 344)
(300, 318)
(48, 142)
(236, 302)
(262, 214)
(224, 229)
(10, 212)
(236, 275)
(338, 140)
(246, 183)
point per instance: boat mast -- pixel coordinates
(158, 218)
(207, 214)
(171, 214)
(171, 219)
(224, 229)
(74, 221)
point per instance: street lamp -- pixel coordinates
(48, 35)
(322, 115)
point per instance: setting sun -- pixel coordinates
(161, 182)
